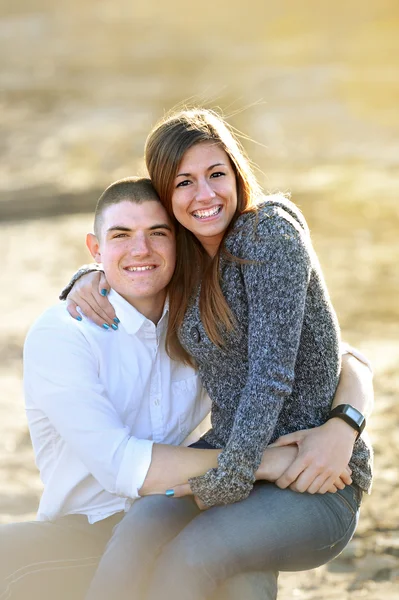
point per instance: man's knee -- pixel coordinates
(251, 586)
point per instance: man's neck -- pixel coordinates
(151, 308)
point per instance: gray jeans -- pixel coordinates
(57, 560)
(166, 548)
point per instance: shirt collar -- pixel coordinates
(130, 317)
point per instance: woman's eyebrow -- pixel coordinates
(208, 169)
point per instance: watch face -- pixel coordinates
(353, 414)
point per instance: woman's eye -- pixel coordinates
(217, 174)
(183, 183)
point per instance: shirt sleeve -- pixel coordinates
(276, 282)
(61, 378)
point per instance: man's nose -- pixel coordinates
(140, 246)
(205, 193)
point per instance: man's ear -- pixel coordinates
(94, 246)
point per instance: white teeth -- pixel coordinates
(149, 268)
(203, 214)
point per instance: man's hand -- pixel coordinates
(322, 461)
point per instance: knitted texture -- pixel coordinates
(278, 371)
(82, 271)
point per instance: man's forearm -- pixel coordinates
(174, 465)
(355, 385)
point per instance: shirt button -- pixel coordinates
(156, 401)
(195, 334)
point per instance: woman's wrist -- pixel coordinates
(84, 269)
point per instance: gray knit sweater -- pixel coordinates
(279, 370)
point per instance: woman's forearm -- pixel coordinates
(174, 465)
(355, 385)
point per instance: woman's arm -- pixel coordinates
(325, 451)
(88, 290)
(276, 281)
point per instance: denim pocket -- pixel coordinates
(350, 497)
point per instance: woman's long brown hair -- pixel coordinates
(165, 147)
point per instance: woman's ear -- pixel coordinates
(94, 246)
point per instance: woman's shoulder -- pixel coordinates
(274, 214)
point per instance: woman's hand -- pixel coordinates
(277, 461)
(322, 461)
(89, 294)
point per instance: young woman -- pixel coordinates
(249, 308)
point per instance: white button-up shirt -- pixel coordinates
(96, 401)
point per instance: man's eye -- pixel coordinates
(159, 233)
(120, 235)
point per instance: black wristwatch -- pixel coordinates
(350, 415)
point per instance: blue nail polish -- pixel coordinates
(170, 493)
(105, 326)
(114, 327)
(116, 320)
(79, 318)
(104, 292)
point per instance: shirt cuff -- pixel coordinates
(134, 467)
(347, 349)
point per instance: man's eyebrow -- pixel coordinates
(219, 164)
(124, 228)
(118, 228)
(161, 226)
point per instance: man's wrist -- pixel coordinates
(350, 415)
(342, 428)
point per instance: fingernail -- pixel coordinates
(114, 327)
(79, 318)
(116, 320)
(105, 326)
(170, 493)
(104, 292)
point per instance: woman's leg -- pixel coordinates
(152, 522)
(126, 564)
(273, 529)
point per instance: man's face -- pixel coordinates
(137, 248)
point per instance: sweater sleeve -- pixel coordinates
(276, 282)
(79, 273)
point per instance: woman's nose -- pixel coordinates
(205, 193)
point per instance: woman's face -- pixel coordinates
(204, 198)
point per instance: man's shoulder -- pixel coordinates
(55, 323)
(54, 317)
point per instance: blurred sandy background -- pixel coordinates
(315, 83)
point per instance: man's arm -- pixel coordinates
(61, 378)
(325, 451)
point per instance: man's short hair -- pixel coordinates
(131, 189)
